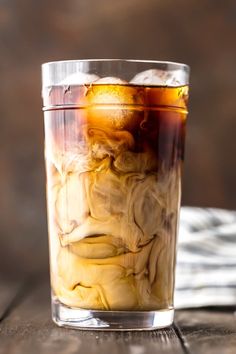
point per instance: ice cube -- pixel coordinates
(79, 78)
(110, 102)
(157, 77)
(105, 94)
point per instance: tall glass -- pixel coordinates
(114, 147)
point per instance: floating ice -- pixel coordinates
(158, 77)
(109, 91)
(79, 78)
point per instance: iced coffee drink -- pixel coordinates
(114, 150)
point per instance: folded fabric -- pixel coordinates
(206, 258)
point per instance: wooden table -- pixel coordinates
(26, 327)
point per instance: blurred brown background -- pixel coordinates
(200, 33)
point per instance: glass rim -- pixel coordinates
(182, 66)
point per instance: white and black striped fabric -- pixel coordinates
(206, 258)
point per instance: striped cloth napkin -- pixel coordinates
(206, 259)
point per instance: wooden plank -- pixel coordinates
(9, 291)
(29, 329)
(208, 331)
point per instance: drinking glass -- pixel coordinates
(114, 148)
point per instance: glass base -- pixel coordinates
(65, 316)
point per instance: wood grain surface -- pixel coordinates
(208, 331)
(27, 328)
